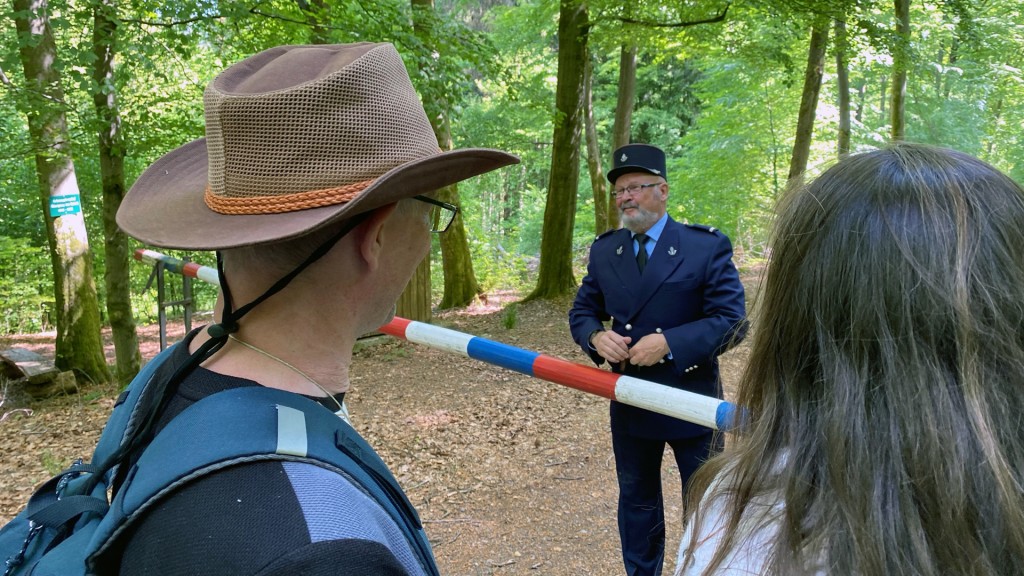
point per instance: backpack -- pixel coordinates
(65, 523)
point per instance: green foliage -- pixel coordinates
(667, 105)
(498, 268)
(721, 99)
(26, 289)
(728, 169)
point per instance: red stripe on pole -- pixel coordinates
(585, 378)
(191, 269)
(396, 327)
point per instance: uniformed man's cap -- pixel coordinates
(637, 158)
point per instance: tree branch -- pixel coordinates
(651, 24)
(171, 23)
(255, 11)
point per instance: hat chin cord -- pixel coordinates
(158, 395)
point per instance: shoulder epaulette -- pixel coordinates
(702, 227)
(606, 233)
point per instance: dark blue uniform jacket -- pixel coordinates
(690, 291)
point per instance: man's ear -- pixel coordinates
(371, 235)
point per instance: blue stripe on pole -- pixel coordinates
(725, 416)
(502, 354)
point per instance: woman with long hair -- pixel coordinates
(884, 396)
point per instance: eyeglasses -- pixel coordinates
(441, 213)
(632, 189)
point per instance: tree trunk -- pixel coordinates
(597, 179)
(112, 150)
(626, 100)
(414, 303)
(809, 98)
(79, 346)
(460, 284)
(556, 274)
(900, 64)
(843, 88)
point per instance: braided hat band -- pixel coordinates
(283, 203)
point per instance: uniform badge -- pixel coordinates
(624, 158)
(619, 250)
(672, 251)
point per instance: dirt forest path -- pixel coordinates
(510, 474)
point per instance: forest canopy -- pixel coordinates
(742, 96)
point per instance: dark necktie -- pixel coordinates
(641, 253)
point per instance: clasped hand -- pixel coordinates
(614, 347)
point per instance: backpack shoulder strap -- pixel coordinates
(124, 412)
(257, 423)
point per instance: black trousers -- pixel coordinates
(641, 504)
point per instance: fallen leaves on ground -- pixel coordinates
(510, 474)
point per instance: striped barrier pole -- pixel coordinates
(190, 269)
(696, 408)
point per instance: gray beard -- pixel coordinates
(641, 221)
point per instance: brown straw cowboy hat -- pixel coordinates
(297, 137)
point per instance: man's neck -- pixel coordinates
(294, 348)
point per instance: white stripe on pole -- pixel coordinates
(208, 275)
(688, 406)
(437, 337)
(151, 256)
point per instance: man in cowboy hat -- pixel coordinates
(675, 302)
(312, 185)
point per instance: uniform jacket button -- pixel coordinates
(629, 326)
(657, 330)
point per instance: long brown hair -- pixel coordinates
(885, 387)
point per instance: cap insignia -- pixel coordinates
(623, 158)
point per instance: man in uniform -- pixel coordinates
(674, 302)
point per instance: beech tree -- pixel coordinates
(842, 86)
(460, 284)
(900, 63)
(809, 97)
(595, 167)
(117, 278)
(555, 277)
(78, 346)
